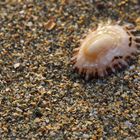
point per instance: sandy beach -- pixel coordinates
(41, 96)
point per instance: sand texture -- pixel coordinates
(41, 97)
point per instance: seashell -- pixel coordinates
(105, 49)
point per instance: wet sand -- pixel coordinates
(41, 97)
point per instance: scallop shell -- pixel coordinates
(105, 49)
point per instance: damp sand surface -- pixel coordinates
(41, 97)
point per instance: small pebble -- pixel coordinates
(16, 65)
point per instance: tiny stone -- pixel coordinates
(128, 124)
(21, 12)
(37, 120)
(85, 136)
(47, 121)
(132, 67)
(16, 65)
(18, 109)
(29, 24)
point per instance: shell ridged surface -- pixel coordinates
(103, 48)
